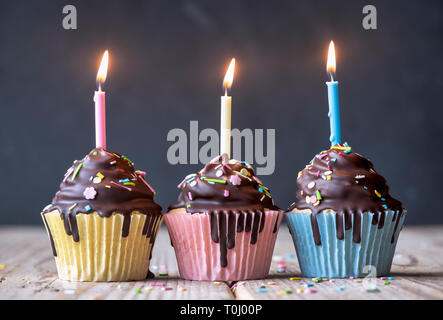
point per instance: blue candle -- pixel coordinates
(334, 110)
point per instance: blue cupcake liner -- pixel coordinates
(336, 258)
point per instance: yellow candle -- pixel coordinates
(225, 122)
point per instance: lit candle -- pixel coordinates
(225, 123)
(334, 111)
(100, 106)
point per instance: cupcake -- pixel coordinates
(344, 218)
(224, 224)
(103, 221)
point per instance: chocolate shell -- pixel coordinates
(104, 182)
(345, 182)
(234, 198)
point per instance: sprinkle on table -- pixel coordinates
(2, 266)
(386, 283)
(295, 278)
(310, 291)
(157, 284)
(341, 288)
(137, 291)
(262, 290)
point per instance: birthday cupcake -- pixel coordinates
(224, 224)
(344, 218)
(103, 222)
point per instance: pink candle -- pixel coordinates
(100, 105)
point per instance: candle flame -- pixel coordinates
(330, 67)
(229, 77)
(103, 70)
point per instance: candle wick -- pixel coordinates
(332, 77)
(99, 86)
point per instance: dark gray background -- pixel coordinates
(168, 59)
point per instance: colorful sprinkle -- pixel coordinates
(137, 291)
(147, 289)
(2, 266)
(272, 283)
(311, 185)
(100, 175)
(300, 290)
(386, 283)
(127, 188)
(157, 284)
(308, 285)
(377, 193)
(168, 289)
(90, 193)
(319, 197)
(76, 171)
(310, 291)
(73, 206)
(190, 195)
(295, 278)
(341, 288)
(123, 180)
(215, 180)
(97, 180)
(129, 183)
(235, 180)
(262, 290)
(226, 193)
(88, 208)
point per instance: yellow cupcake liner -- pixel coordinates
(102, 254)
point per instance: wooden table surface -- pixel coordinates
(27, 271)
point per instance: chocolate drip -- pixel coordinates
(103, 182)
(222, 232)
(126, 225)
(276, 224)
(51, 239)
(356, 235)
(339, 225)
(344, 181)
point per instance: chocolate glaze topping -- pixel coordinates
(347, 183)
(232, 195)
(104, 182)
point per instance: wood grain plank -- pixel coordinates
(30, 273)
(417, 271)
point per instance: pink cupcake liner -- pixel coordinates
(199, 257)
